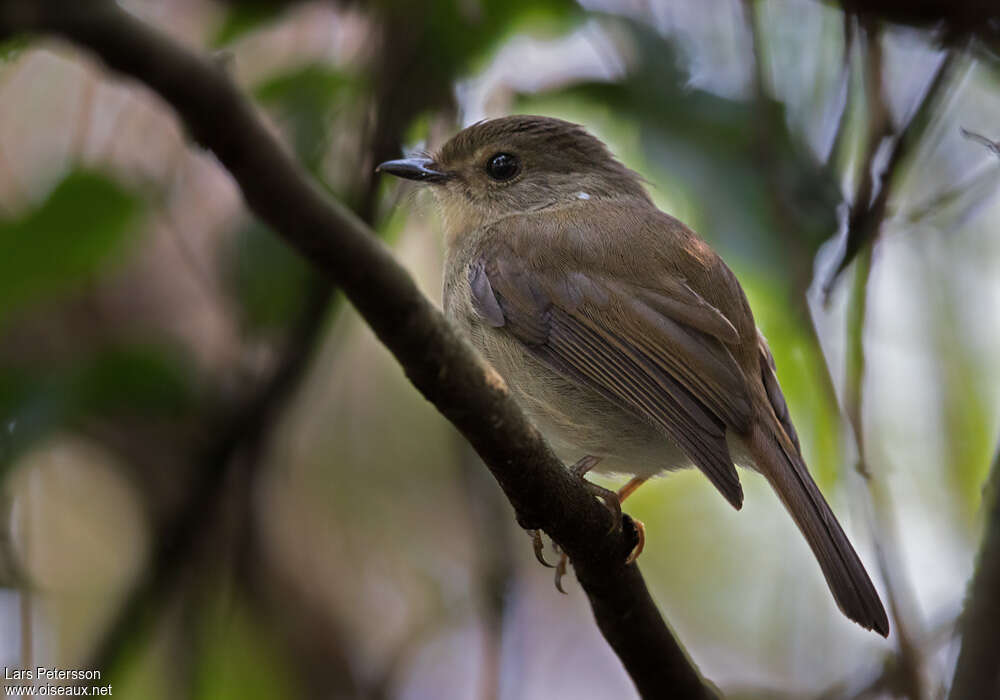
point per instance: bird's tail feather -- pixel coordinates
(784, 468)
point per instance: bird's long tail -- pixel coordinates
(784, 468)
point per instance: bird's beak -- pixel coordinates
(422, 169)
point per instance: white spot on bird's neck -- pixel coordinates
(582, 195)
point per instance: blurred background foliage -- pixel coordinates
(217, 484)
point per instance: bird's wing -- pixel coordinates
(657, 348)
(768, 373)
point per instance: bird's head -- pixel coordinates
(517, 164)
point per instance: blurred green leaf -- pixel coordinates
(63, 241)
(305, 99)
(430, 44)
(453, 33)
(269, 278)
(133, 380)
(967, 410)
(969, 428)
(129, 380)
(11, 48)
(238, 658)
(312, 84)
(243, 18)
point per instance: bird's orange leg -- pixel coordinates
(629, 488)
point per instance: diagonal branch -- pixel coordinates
(181, 538)
(441, 366)
(977, 673)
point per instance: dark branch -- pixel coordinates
(953, 22)
(444, 368)
(868, 211)
(977, 673)
(179, 540)
(317, 642)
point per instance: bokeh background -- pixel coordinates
(217, 484)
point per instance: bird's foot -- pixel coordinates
(640, 537)
(608, 497)
(612, 500)
(584, 465)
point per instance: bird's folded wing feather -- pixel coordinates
(768, 373)
(656, 347)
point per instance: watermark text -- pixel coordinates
(35, 682)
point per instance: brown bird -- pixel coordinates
(620, 332)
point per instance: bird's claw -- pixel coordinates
(538, 545)
(560, 572)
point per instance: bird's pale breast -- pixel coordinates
(574, 419)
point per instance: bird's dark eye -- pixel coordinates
(503, 166)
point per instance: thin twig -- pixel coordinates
(899, 590)
(849, 31)
(976, 187)
(993, 146)
(868, 211)
(862, 220)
